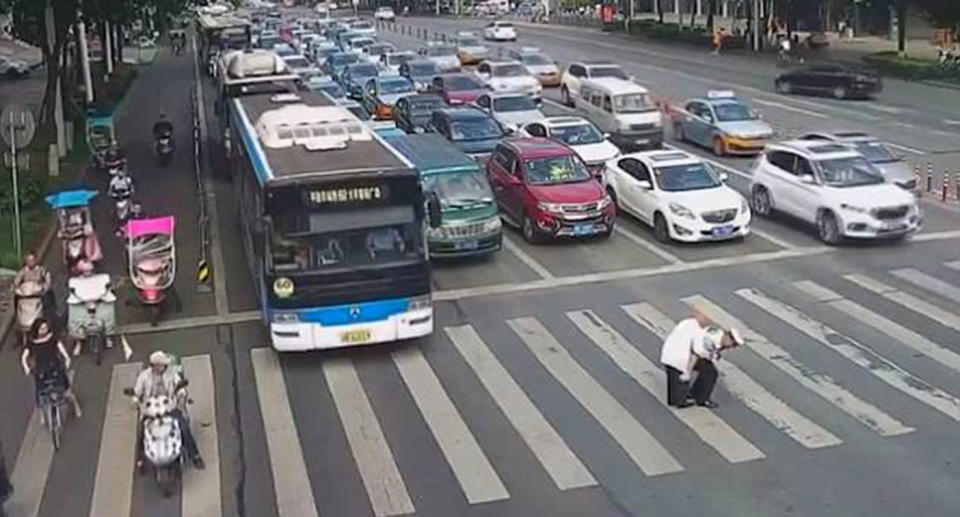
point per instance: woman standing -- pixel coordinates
(45, 357)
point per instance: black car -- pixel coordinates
(412, 113)
(837, 81)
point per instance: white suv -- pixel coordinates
(834, 187)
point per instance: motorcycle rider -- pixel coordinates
(33, 271)
(121, 186)
(158, 380)
(162, 126)
(49, 360)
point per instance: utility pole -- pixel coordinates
(58, 96)
(84, 58)
(108, 47)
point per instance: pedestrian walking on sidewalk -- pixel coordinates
(717, 40)
(694, 345)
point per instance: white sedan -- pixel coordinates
(500, 31)
(511, 110)
(580, 135)
(510, 76)
(677, 194)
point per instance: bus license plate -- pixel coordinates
(355, 336)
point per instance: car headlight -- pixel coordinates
(853, 208)
(286, 317)
(492, 225)
(419, 303)
(436, 233)
(681, 211)
(553, 208)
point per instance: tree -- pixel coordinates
(943, 14)
(711, 10)
(659, 7)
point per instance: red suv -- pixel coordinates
(543, 187)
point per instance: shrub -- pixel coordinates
(912, 69)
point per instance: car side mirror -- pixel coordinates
(723, 176)
(708, 118)
(433, 210)
(645, 184)
(606, 136)
(808, 179)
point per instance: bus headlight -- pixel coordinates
(418, 303)
(283, 287)
(286, 317)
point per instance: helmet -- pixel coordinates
(159, 358)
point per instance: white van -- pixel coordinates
(624, 110)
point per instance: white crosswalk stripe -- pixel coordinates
(859, 354)
(113, 486)
(954, 265)
(908, 337)
(378, 470)
(645, 451)
(478, 479)
(554, 455)
(817, 382)
(907, 300)
(935, 285)
(200, 495)
(705, 423)
(748, 391)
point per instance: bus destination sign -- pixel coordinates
(346, 195)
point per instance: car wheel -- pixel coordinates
(784, 88)
(678, 132)
(10, 73)
(840, 92)
(565, 96)
(660, 229)
(760, 201)
(828, 228)
(719, 146)
(530, 233)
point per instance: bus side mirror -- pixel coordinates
(433, 210)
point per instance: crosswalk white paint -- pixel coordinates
(643, 243)
(563, 466)
(477, 477)
(909, 338)
(291, 484)
(378, 470)
(645, 451)
(200, 495)
(113, 485)
(706, 424)
(907, 300)
(935, 285)
(744, 388)
(859, 354)
(953, 264)
(817, 382)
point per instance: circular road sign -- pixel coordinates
(18, 121)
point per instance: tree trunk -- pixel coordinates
(902, 28)
(659, 7)
(711, 8)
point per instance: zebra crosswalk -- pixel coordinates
(811, 364)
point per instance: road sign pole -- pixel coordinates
(17, 239)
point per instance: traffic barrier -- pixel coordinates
(945, 189)
(929, 176)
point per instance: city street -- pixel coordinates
(540, 391)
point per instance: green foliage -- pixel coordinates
(888, 63)
(33, 186)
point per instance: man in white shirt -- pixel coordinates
(694, 345)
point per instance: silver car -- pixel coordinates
(511, 110)
(893, 166)
(445, 57)
(723, 123)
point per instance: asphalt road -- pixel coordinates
(539, 393)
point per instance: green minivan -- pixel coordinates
(470, 223)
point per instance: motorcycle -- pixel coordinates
(29, 307)
(164, 148)
(76, 233)
(91, 312)
(151, 263)
(100, 135)
(162, 437)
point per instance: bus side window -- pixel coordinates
(607, 104)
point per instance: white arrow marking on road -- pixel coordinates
(790, 108)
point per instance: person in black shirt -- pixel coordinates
(47, 360)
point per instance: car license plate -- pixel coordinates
(643, 141)
(466, 245)
(894, 227)
(722, 231)
(355, 336)
(583, 229)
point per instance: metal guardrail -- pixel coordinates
(203, 220)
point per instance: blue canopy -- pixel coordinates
(70, 198)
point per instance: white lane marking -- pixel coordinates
(817, 382)
(623, 274)
(859, 354)
(753, 395)
(524, 257)
(193, 322)
(938, 236)
(905, 148)
(641, 446)
(32, 467)
(954, 265)
(291, 483)
(477, 477)
(787, 107)
(113, 486)
(951, 122)
(935, 285)
(200, 492)
(563, 466)
(643, 243)
(907, 337)
(907, 300)
(385, 488)
(884, 108)
(706, 424)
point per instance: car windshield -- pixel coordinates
(459, 191)
(555, 170)
(462, 83)
(733, 112)
(503, 25)
(513, 103)
(849, 172)
(679, 178)
(379, 48)
(334, 90)
(876, 152)
(304, 251)
(516, 70)
(425, 105)
(474, 129)
(298, 62)
(608, 71)
(364, 71)
(343, 59)
(440, 51)
(633, 103)
(578, 135)
(396, 85)
(535, 59)
(423, 69)
(469, 41)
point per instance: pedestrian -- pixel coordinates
(6, 489)
(694, 345)
(717, 40)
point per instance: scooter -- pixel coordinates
(164, 148)
(151, 257)
(162, 437)
(29, 307)
(91, 311)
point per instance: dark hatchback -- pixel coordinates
(470, 129)
(837, 81)
(412, 113)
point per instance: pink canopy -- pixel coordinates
(159, 225)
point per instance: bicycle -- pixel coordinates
(51, 400)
